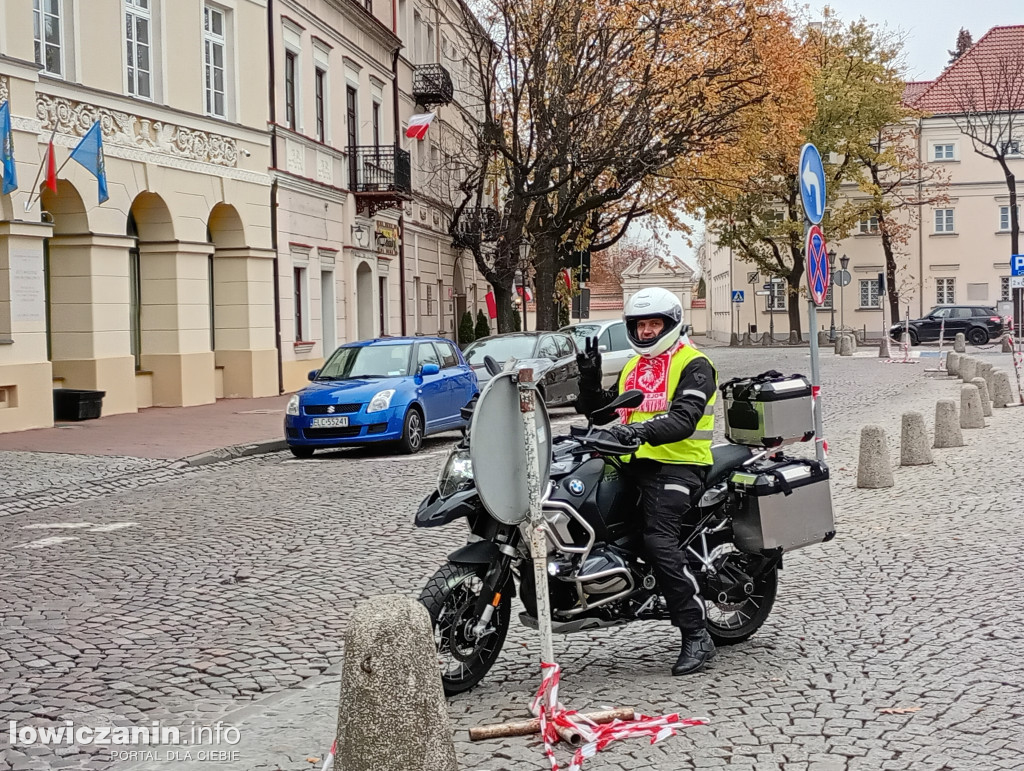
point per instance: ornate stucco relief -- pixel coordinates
(121, 128)
(3, 88)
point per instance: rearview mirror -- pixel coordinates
(492, 367)
(313, 373)
(602, 348)
(629, 400)
(429, 369)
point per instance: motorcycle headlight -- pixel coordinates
(456, 475)
(293, 405)
(381, 400)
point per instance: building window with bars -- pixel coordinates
(139, 42)
(290, 62)
(1005, 293)
(777, 296)
(944, 220)
(46, 31)
(869, 297)
(214, 48)
(945, 291)
(321, 120)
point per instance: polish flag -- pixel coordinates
(492, 308)
(568, 278)
(51, 168)
(418, 125)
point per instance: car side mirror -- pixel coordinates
(602, 348)
(429, 369)
(313, 373)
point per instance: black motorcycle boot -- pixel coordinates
(698, 650)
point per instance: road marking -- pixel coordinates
(57, 526)
(44, 543)
(112, 527)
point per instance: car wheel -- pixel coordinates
(913, 338)
(412, 432)
(977, 336)
(543, 394)
(301, 452)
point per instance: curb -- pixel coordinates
(236, 451)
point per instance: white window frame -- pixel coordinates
(945, 291)
(868, 227)
(1004, 218)
(874, 293)
(211, 40)
(943, 221)
(948, 153)
(39, 16)
(777, 298)
(140, 10)
(1012, 148)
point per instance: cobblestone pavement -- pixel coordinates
(221, 593)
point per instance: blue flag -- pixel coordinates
(10, 183)
(89, 153)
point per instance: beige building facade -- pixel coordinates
(163, 294)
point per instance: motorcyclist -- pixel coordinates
(674, 427)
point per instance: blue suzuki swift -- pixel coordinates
(396, 389)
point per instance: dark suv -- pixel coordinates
(979, 324)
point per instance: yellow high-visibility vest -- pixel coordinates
(696, 449)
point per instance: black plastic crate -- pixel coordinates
(77, 404)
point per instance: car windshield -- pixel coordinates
(581, 332)
(367, 361)
(500, 349)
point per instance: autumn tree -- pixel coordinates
(595, 114)
(857, 90)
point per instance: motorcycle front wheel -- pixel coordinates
(450, 598)
(733, 622)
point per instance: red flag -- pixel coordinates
(492, 308)
(568, 278)
(418, 125)
(51, 168)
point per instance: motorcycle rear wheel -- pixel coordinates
(450, 597)
(733, 622)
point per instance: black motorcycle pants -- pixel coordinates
(666, 501)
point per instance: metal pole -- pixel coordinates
(842, 309)
(812, 322)
(538, 542)
(832, 324)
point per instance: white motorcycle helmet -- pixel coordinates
(653, 303)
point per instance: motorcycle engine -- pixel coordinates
(610, 571)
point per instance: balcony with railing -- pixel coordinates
(380, 175)
(431, 84)
(476, 225)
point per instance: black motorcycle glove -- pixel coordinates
(589, 362)
(629, 435)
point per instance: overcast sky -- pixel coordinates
(930, 28)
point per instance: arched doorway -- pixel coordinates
(365, 317)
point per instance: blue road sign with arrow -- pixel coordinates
(812, 183)
(737, 296)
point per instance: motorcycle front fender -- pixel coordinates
(475, 553)
(435, 511)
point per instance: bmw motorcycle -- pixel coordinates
(598, 574)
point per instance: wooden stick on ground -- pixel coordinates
(527, 727)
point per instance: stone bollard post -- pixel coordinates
(794, 337)
(947, 425)
(953, 363)
(823, 338)
(734, 340)
(745, 341)
(766, 339)
(968, 368)
(960, 343)
(1002, 391)
(874, 470)
(986, 402)
(853, 340)
(1007, 342)
(987, 371)
(915, 449)
(392, 715)
(845, 346)
(971, 415)
(837, 344)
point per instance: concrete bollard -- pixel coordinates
(884, 351)
(853, 340)
(953, 363)
(837, 344)
(971, 415)
(1007, 342)
(766, 339)
(968, 368)
(794, 337)
(845, 346)
(1002, 391)
(986, 402)
(745, 341)
(915, 449)
(874, 470)
(734, 340)
(960, 343)
(392, 715)
(987, 371)
(823, 338)
(947, 425)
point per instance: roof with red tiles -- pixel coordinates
(914, 89)
(976, 74)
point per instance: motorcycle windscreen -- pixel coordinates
(498, 450)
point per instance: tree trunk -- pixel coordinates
(892, 292)
(793, 279)
(1016, 295)
(545, 264)
(504, 307)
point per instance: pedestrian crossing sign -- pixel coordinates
(737, 296)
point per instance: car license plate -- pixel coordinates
(335, 422)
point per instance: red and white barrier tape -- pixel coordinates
(546, 707)
(815, 394)
(329, 760)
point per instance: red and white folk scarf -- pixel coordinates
(651, 377)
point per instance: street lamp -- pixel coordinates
(844, 261)
(524, 257)
(832, 283)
